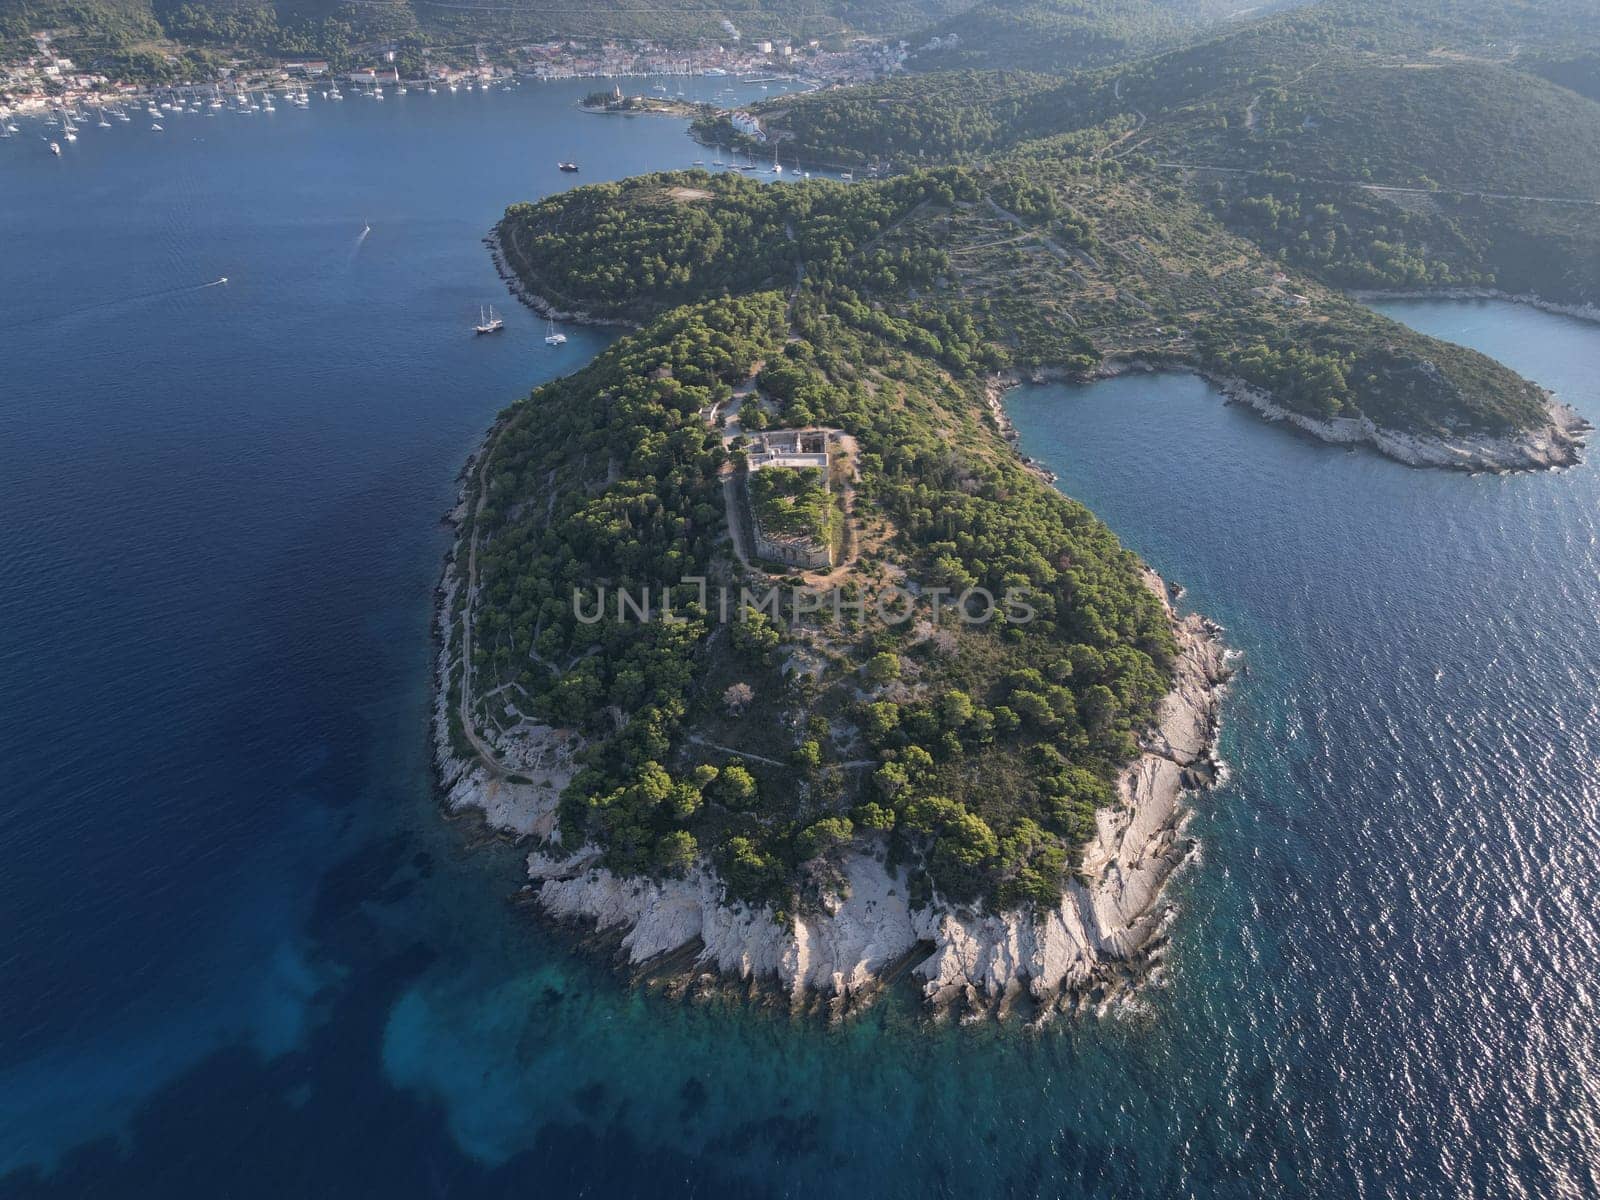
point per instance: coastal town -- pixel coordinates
(49, 79)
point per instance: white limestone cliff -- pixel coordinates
(977, 959)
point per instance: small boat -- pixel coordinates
(848, 177)
(155, 127)
(552, 336)
(699, 162)
(568, 166)
(488, 324)
(222, 279)
(55, 148)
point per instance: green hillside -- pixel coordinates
(1429, 122)
(983, 775)
(88, 29)
(1045, 36)
(1366, 144)
(1037, 261)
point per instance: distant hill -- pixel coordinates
(332, 28)
(1054, 37)
(1301, 130)
(1579, 73)
(1060, 36)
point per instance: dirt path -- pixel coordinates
(743, 543)
(855, 764)
(490, 760)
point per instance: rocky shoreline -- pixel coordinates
(1555, 444)
(1104, 930)
(538, 303)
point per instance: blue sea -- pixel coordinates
(242, 953)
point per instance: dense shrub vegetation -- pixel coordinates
(980, 751)
(1292, 127)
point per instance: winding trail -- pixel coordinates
(491, 761)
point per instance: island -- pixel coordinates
(615, 102)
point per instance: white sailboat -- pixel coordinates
(490, 323)
(553, 337)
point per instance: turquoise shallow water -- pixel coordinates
(242, 952)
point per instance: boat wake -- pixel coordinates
(136, 298)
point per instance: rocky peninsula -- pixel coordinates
(1105, 925)
(819, 800)
(880, 892)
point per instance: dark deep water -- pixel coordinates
(241, 954)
